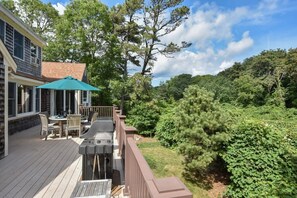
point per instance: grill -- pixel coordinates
(97, 151)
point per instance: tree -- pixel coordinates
(143, 111)
(86, 35)
(175, 87)
(39, 16)
(127, 31)
(156, 26)
(221, 86)
(290, 81)
(249, 90)
(202, 130)
(10, 5)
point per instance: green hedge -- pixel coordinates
(262, 162)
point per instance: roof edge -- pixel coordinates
(22, 25)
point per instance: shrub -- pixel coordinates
(259, 162)
(144, 116)
(202, 130)
(166, 129)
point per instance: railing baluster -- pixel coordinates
(103, 111)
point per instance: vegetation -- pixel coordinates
(238, 123)
(202, 131)
(166, 130)
(259, 162)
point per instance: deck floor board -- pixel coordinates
(38, 168)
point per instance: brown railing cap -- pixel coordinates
(130, 129)
(169, 184)
(122, 116)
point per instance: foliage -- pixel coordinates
(259, 162)
(139, 27)
(144, 116)
(160, 18)
(166, 128)
(202, 130)
(39, 16)
(267, 78)
(174, 87)
(140, 88)
(223, 88)
(249, 91)
(86, 35)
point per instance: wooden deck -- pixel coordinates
(38, 168)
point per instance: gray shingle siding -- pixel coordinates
(25, 65)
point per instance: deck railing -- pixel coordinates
(139, 179)
(103, 111)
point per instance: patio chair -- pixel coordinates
(73, 124)
(88, 125)
(89, 117)
(46, 127)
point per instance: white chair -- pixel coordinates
(88, 125)
(46, 127)
(73, 124)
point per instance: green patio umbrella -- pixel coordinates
(68, 83)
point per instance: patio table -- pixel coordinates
(60, 120)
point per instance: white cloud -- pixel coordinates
(235, 48)
(60, 7)
(268, 4)
(208, 23)
(207, 61)
(224, 65)
(216, 44)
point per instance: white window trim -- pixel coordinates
(36, 55)
(23, 46)
(25, 95)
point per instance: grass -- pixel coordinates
(165, 162)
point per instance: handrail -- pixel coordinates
(139, 178)
(103, 111)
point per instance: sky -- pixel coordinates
(223, 32)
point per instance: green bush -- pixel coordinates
(202, 130)
(166, 129)
(144, 116)
(260, 163)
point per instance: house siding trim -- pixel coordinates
(9, 17)
(9, 60)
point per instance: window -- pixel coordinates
(11, 99)
(84, 97)
(2, 30)
(37, 100)
(34, 54)
(18, 45)
(25, 99)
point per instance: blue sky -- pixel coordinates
(223, 32)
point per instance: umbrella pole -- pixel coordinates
(69, 110)
(64, 100)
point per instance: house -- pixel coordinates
(20, 60)
(56, 102)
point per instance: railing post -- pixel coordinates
(129, 131)
(121, 133)
(117, 123)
